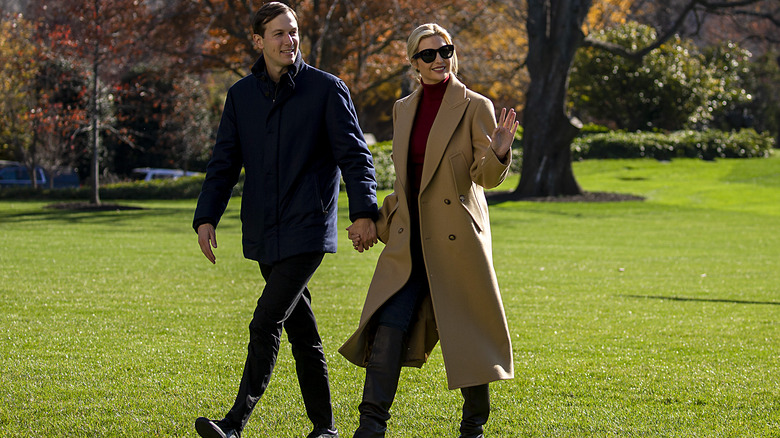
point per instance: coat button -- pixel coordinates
(462, 198)
(447, 201)
(452, 237)
(400, 230)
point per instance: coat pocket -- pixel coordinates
(467, 193)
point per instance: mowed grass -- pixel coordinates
(634, 319)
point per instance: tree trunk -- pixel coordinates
(554, 34)
(95, 165)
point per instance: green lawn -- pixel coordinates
(636, 319)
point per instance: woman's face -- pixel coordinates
(439, 69)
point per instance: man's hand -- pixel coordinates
(207, 237)
(362, 233)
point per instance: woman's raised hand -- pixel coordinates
(504, 133)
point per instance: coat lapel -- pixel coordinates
(405, 115)
(447, 119)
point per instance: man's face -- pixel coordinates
(280, 42)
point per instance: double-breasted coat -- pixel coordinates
(464, 310)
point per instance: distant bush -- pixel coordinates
(181, 188)
(383, 163)
(707, 145)
(676, 86)
(592, 128)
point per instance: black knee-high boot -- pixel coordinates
(476, 409)
(382, 374)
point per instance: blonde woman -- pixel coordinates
(435, 280)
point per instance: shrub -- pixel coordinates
(707, 145)
(673, 87)
(383, 163)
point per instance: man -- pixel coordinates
(294, 130)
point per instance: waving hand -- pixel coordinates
(504, 133)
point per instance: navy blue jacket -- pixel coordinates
(294, 139)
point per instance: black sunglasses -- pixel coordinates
(429, 55)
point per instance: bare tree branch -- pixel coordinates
(693, 6)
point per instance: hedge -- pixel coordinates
(707, 145)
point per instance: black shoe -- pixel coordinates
(322, 432)
(214, 429)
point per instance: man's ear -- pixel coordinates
(258, 41)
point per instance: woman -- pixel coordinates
(435, 279)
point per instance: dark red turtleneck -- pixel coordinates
(430, 102)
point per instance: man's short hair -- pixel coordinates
(268, 12)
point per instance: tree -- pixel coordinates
(139, 99)
(164, 119)
(673, 87)
(59, 110)
(555, 32)
(189, 127)
(103, 34)
(489, 51)
(764, 86)
(363, 42)
(42, 99)
(18, 58)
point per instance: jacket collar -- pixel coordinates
(259, 69)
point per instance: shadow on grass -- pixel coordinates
(497, 197)
(706, 300)
(76, 212)
(87, 206)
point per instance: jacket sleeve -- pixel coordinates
(487, 170)
(223, 169)
(351, 153)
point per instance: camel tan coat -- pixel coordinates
(464, 310)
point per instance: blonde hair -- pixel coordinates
(425, 31)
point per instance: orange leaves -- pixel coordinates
(607, 13)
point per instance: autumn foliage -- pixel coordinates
(120, 83)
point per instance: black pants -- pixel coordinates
(285, 304)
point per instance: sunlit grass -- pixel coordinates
(654, 318)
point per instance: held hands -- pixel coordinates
(207, 237)
(504, 133)
(362, 233)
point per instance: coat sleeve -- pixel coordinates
(223, 169)
(351, 153)
(389, 205)
(487, 170)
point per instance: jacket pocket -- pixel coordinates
(325, 193)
